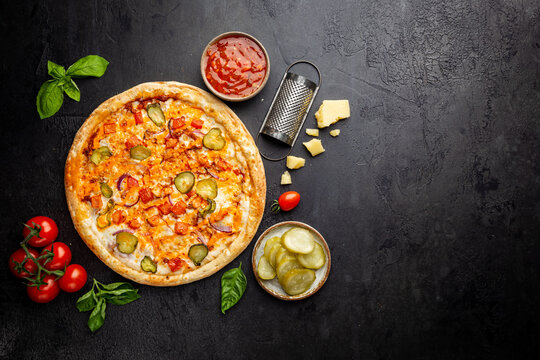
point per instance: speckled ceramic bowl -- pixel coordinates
(204, 58)
(272, 286)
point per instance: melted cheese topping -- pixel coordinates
(144, 190)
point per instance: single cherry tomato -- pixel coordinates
(74, 278)
(47, 234)
(61, 258)
(44, 293)
(18, 256)
(286, 202)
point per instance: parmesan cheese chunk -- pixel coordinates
(286, 178)
(331, 111)
(312, 132)
(314, 146)
(294, 162)
(335, 132)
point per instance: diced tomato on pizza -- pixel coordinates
(118, 217)
(179, 208)
(165, 208)
(175, 264)
(96, 201)
(177, 123)
(138, 117)
(146, 195)
(109, 128)
(132, 142)
(181, 228)
(197, 123)
(131, 182)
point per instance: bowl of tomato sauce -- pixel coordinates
(235, 66)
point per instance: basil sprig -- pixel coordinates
(51, 94)
(233, 285)
(119, 293)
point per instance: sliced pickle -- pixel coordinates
(148, 265)
(298, 240)
(197, 253)
(184, 181)
(106, 190)
(282, 255)
(273, 252)
(100, 154)
(156, 114)
(297, 281)
(269, 249)
(109, 207)
(265, 270)
(210, 208)
(127, 242)
(315, 259)
(103, 220)
(269, 243)
(213, 140)
(285, 265)
(139, 152)
(207, 188)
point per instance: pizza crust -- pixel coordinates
(80, 211)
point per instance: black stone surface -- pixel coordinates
(429, 198)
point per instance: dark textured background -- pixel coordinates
(429, 199)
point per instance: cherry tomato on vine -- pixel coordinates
(61, 258)
(286, 202)
(44, 293)
(74, 278)
(47, 234)
(18, 256)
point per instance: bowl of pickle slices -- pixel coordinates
(291, 260)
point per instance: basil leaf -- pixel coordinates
(55, 70)
(124, 299)
(111, 294)
(120, 296)
(71, 89)
(118, 293)
(97, 318)
(87, 302)
(233, 285)
(49, 99)
(117, 286)
(91, 65)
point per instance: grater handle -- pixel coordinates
(312, 65)
(267, 157)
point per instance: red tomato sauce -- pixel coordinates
(236, 66)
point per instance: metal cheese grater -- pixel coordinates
(290, 107)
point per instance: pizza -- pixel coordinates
(164, 184)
